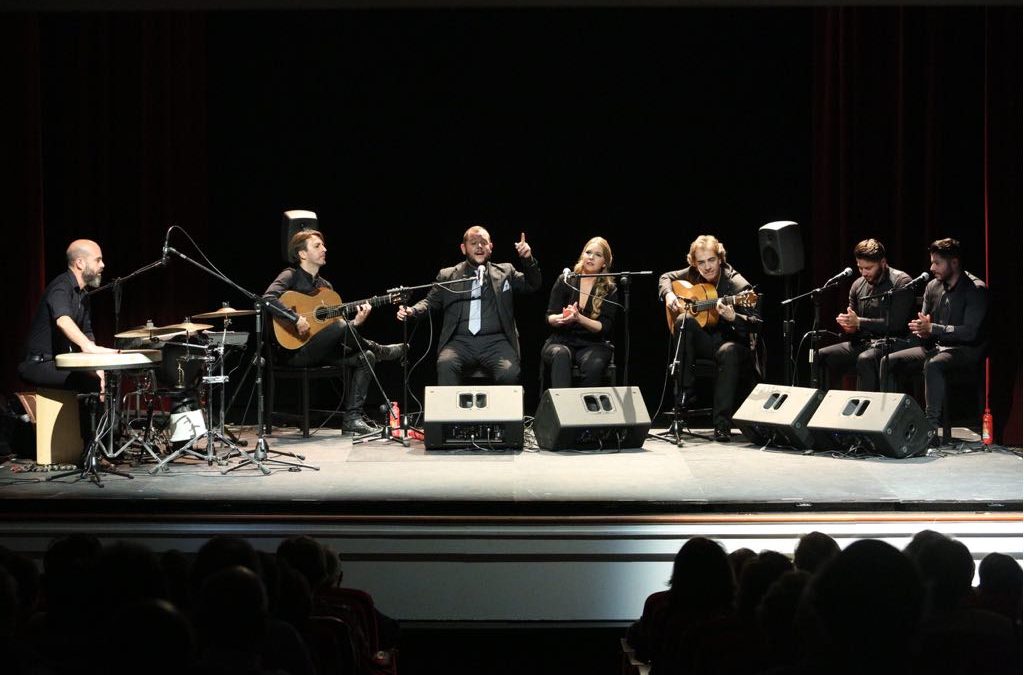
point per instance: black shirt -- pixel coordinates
(63, 297)
(563, 295)
(959, 313)
(873, 313)
(294, 279)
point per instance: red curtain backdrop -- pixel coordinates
(904, 103)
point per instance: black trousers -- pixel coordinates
(937, 364)
(838, 359)
(334, 346)
(46, 374)
(492, 353)
(592, 360)
(732, 359)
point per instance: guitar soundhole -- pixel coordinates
(320, 314)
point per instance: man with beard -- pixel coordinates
(336, 344)
(870, 322)
(63, 323)
(727, 342)
(949, 333)
(479, 328)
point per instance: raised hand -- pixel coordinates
(921, 326)
(522, 248)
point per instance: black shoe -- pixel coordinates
(722, 434)
(389, 352)
(356, 425)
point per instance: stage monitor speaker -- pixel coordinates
(782, 248)
(484, 417)
(778, 415)
(292, 222)
(889, 424)
(591, 418)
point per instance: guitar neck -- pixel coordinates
(350, 308)
(704, 305)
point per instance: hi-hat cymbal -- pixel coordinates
(225, 313)
(189, 327)
(147, 331)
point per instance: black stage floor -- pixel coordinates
(382, 478)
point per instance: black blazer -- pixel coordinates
(506, 280)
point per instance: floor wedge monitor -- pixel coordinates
(778, 415)
(484, 417)
(591, 418)
(888, 424)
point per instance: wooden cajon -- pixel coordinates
(58, 433)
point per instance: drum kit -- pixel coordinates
(176, 370)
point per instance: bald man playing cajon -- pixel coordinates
(479, 329)
(62, 323)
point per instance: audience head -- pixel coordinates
(866, 606)
(738, 559)
(169, 647)
(702, 578)
(947, 570)
(232, 610)
(814, 550)
(222, 552)
(306, 556)
(757, 576)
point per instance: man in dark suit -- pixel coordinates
(479, 328)
(949, 333)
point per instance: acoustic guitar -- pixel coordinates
(700, 301)
(321, 310)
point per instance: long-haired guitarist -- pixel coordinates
(329, 342)
(709, 302)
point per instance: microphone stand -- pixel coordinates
(814, 333)
(258, 456)
(624, 281)
(116, 288)
(386, 432)
(885, 298)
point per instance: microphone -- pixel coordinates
(842, 275)
(167, 242)
(480, 274)
(565, 275)
(922, 278)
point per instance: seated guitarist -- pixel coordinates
(336, 344)
(726, 334)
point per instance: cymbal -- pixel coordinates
(225, 313)
(147, 331)
(189, 327)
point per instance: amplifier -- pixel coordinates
(778, 415)
(591, 418)
(888, 424)
(485, 417)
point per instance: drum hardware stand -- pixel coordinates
(678, 428)
(91, 465)
(258, 456)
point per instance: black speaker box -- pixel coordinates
(591, 418)
(888, 424)
(782, 249)
(292, 222)
(778, 415)
(483, 417)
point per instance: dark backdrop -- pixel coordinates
(401, 128)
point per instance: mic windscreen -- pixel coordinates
(565, 273)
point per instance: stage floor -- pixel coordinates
(699, 477)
